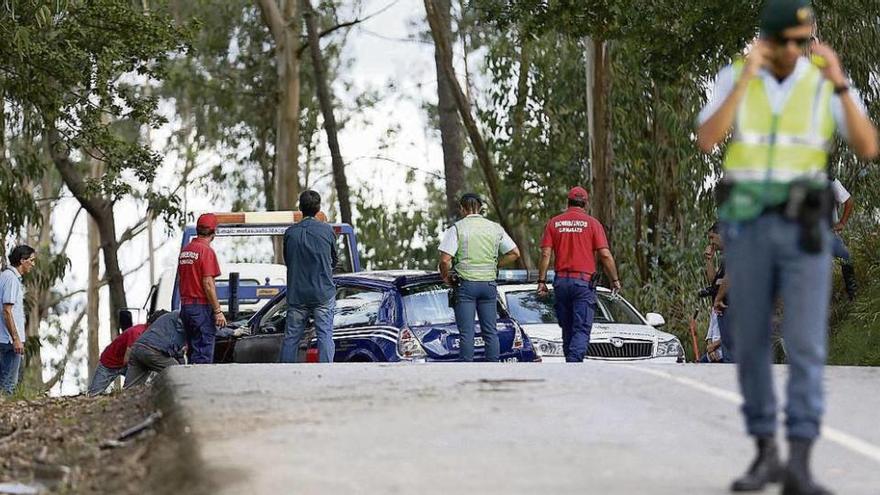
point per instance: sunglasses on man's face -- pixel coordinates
(802, 42)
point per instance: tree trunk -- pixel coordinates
(451, 134)
(599, 123)
(93, 295)
(325, 98)
(101, 210)
(442, 44)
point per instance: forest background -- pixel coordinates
(121, 119)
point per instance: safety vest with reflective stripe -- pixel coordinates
(770, 150)
(478, 244)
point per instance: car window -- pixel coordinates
(275, 318)
(528, 308)
(356, 307)
(427, 305)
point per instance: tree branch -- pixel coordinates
(344, 25)
(273, 20)
(73, 337)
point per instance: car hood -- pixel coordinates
(600, 331)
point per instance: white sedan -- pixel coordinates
(620, 333)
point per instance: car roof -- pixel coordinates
(521, 286)
(391, 278)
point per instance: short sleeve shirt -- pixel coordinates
(114, 354)
(196, 261)
(449, 242)
(841, 196)
(12, 292)
(574, 237)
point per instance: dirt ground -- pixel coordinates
(57, 442)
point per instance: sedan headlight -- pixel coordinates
(671, 347)
(547, 348)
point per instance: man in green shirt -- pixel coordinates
(471, 249)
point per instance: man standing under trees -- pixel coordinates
(477, 245)
(782, 111)
(200, 310)
(575, 238)
(310, 256)
(21, 261)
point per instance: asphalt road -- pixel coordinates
(511, 428)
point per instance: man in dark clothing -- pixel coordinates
(161, 346)
(719, 294)
(310, 256)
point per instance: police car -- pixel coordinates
(381, 316)
(619, 332)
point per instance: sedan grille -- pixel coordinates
(627, 350)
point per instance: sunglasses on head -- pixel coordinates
(802, 42)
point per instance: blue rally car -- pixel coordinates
(381, 316)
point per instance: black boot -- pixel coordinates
(798, 480)
(766, 468)
(849, 279)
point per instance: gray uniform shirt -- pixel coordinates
(12, 292)
(166, 335)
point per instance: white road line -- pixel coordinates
(834, 435)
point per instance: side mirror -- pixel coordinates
(125, 320)
(655, 319)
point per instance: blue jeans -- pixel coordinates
(10, 362)
(103, 377)
(838, 248)
(575, 307)
(297, 317)
(477, 299)
(765, 260)
(198, 322)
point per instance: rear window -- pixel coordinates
(428, 305)
(529, 309)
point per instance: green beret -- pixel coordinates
(779, 15)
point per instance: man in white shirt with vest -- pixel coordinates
(476, 246)
(781, 112)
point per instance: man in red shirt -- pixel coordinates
(575, 238)
(200, 310)
(114, 357)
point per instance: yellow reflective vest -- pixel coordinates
(769, 150)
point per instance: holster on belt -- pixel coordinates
(455, 282)
(810, 206)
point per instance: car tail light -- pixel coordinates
(312, 355)
(517, 338)
(408, 346)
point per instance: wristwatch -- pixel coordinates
(542, 282)
(843, 88)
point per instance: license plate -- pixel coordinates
(478, 342)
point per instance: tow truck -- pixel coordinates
(245, 245)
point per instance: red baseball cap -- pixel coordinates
(207, 220)
(578, 192)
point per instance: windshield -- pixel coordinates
(428, 305)
(530, 309)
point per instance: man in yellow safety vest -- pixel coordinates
(781, 110)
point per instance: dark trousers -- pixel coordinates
(727, 341)
(575, 306)
(198, 322)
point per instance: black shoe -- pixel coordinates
(798, 480)
(766, 468)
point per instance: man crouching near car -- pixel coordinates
(310, 256)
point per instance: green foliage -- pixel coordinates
(72, 67)
(402, 234)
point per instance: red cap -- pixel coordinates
(578, 192)
(207, 220)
